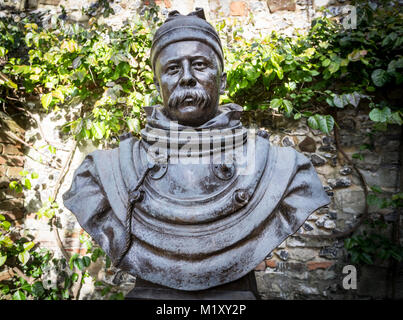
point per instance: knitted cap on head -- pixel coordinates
(192, 27)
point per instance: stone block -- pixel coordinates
(307, 145)
(12, 149)
(317, 160)
(13, 215)
(277, 5)
(14, 161)
(271, 263)
(329, 252)
(11, 204)
(314, 265)
(166, 3)
(13, 172)
(303, 255)
(323, 3)
(49, 2)
(261, 266)
(386, 177)
(238, 8)
(349, 201)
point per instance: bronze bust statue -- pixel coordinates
(177, 207)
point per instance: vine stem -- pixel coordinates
(364, 215)
(22, 275)
(15, 138)
(54, 195)
(43, 136)
(77, 286)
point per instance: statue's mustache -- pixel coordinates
(179, 96)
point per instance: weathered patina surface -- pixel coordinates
(183, 217)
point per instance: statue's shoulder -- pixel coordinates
(125, 145)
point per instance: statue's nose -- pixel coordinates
(187, 79)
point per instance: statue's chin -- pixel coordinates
(191, 115)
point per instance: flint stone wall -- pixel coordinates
(264, 16)
(300, 268)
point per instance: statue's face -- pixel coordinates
(189, 79)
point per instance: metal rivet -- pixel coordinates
(136, 196)
(241, 196)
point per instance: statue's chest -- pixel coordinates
(196, 192)
(191, 181)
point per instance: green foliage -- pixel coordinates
(368, 246)
(25, 181)
(107, 70)
(328, 68)
(34, 263)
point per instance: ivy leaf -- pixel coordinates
(395, 118)
(313, 123)
(326, 123)
(79, 263)
(19, 295)
(76, 62)
(74, 277)
(98, 129)
(374, 201)
(275, 103)
(379, 77)
(28, 245)
(34, 175)
(27, 184)
(72, 259)
(24, 257)
(354, 98)
(380, 115)
(23, 173)
(326, 62)
(58, 94)
(366, 258)
(86, 261)
(37, 289)
(333, 67)
(134, 125)
(251, 73)
(46, 100)
(323, 123)
(376, 188)
(287, 106)
(3, 259)
(6, 225)
(339, 101)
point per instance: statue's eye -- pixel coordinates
(199, 65)
(172, 69)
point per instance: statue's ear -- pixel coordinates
(223, 82)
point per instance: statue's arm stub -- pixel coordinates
(304, 194)
(87, 200)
